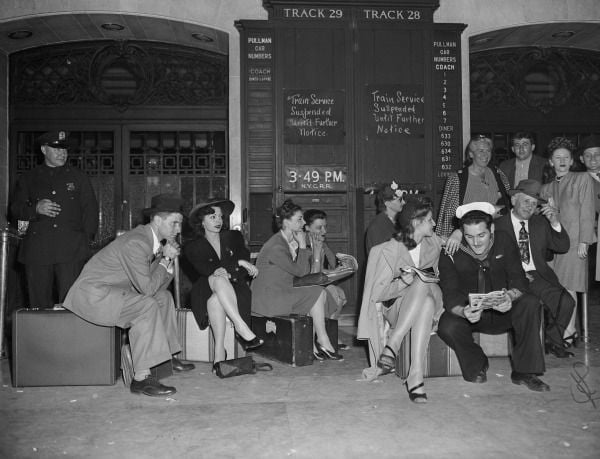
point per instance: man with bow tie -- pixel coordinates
(488, 261)
(125, 285)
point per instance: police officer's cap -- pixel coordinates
(55, 139)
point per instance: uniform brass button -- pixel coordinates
(55, 225)
(53, 192)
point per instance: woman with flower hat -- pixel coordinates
(389, 201)
(221, 259)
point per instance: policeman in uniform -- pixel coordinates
(59, 202)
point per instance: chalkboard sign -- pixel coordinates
(313, 116)
(396, 110)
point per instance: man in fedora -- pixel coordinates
(59, 203)
(125, 285)
(537, 231)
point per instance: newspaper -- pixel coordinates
(487, 300)
(347, 266)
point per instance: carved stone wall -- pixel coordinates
(543, 79)
(121, 74)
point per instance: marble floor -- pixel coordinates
(323, 410)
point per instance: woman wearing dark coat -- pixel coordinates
(221, 259)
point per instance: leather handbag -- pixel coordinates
(240, 366)
(311, 279)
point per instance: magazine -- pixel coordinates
(486, 300)
(348, 266)
(347, 261)
(424, 274)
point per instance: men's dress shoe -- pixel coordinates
(558, 351)
(530, 380)
(151, 386)
(481, 376)
(178, 365)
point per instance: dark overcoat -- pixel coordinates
(66, 237)
(541, 238)
(202, 256)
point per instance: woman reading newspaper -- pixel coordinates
(400, 295)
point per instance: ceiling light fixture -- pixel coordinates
(482, 41)
(112, 26)
(563, 34)
(203, 37)
(20, 34)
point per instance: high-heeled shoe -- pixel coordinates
(249, 344)
(413, 396)
(571, 340)
(318, 355)
(387, 363)
(331, 355)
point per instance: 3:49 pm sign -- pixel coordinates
(315, 178)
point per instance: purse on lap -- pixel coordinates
(311, 279)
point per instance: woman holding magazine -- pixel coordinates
(401, 292)
(323, 258)
(285, 256)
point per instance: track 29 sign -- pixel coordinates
(315, 178)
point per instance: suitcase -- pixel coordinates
(288, 339)
(199, 345)
(496, 345)
(501, 345)
(439, 361)
(54, 347)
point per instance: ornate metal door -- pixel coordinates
(129, 164)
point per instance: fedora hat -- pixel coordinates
(529, 187)
(225, 205)
(591, 141)
(166, 202)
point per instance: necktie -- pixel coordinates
(524, 244)
(482, 269)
